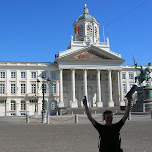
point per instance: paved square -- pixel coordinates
(17, 136)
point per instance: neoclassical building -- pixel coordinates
(88, 67)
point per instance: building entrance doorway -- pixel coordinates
(33, 107)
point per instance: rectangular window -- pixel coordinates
(2, 75)
(130, 75)
(2, 101)
(23, 75)
(33, 86)
(13, 75)
(2, 88)
(124, 88)
(22, 88)
(23, 105)
(123, 76)
(13, 105)
(53, 75)
(33, 75)
(12, 88)
(53, 88)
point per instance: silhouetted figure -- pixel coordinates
(108, 133)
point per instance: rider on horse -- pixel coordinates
(144, 74)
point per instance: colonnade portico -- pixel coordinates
(111, 103)
(73, 103)
(85, 83)
(99, 102)
(61, 103)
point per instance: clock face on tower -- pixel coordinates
(89, 26)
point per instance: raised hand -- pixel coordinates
(85, 101)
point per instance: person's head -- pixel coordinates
(108, 117)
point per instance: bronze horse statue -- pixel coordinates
(144, 75)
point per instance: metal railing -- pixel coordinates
(69, 118)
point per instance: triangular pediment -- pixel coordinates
(90, 54)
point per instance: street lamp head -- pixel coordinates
(38, 80)
(43, 77)
(48, 79)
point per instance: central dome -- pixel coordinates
(87, 17)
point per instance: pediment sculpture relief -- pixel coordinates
(89, 55)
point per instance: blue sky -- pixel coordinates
(36, 30)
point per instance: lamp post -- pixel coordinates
(43, 104)
(43, 100)
(36, 106)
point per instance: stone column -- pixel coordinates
(8, 88)
(47, 106)
(7, 111)
(17, 108)
(122, 103)
(28, 85)
(118, 87)
(126, 80)
(73, 103)
(61, 103)
(85, 83)
(18, 85)
(27, 107)
(111, 103)
(57, 87)
(99, 102)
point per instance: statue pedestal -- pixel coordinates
(144, 96)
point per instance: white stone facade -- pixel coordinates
(88, 68)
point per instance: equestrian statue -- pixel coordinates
(144, 74)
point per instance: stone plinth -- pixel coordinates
(144, 96)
